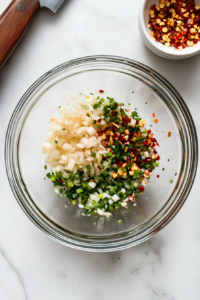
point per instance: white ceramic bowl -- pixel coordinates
(158, 48)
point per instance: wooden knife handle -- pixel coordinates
(13, 24)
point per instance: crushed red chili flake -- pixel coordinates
(155, 120)
(131, 198)
(158, 176)
(153, 115)
(99, 168)
(60, 181)
(169, 133)
(101, 91)
(99, 121)
(141, 189)
(175, 23)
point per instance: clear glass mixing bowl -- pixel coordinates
(161, 201)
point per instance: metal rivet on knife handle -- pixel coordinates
(21, 7)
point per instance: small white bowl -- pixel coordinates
(156, 47)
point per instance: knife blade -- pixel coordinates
(53, 5)
(15, 20)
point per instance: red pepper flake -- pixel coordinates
(155, 120)
(99, 168)
(99, 121)
(118, 104)
(60, 180)
(158, 176)
(116, 135)
(149, 131)
(131, 198)
(126, 120)
(141, 189)
(120, 164)
(168, 160)
(169, 133)
(153, 115)
(103, 143)
(101, 91)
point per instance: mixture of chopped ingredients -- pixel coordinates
(100, 153)
(175, 23)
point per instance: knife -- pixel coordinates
(15, 20)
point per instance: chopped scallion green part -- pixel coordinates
(108, 154)
(70, 184)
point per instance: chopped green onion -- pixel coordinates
(108, 154)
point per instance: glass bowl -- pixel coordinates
(119, 77)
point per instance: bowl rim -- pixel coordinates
(159, 48)
(80, 243)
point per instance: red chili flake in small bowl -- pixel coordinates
(175, 23)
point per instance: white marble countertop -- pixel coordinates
(32, 266)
